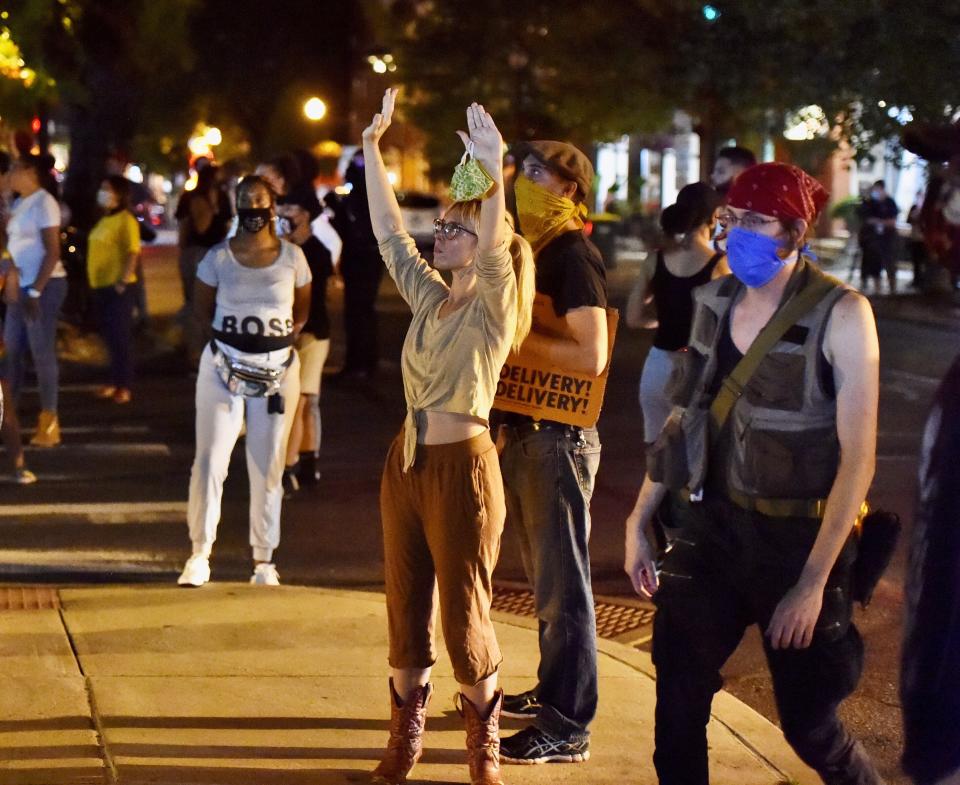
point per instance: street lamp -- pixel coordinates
(314, 109)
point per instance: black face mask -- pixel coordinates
(253, 219)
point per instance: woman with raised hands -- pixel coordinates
(441, 495)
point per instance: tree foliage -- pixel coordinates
(543, 69)
(738, 67)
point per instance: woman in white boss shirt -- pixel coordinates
(256, 290)
(33, 233)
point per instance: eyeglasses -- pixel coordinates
(448, 229)
(750, 221)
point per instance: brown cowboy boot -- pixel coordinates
(483, 741)
(406, 736)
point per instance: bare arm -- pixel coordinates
(586, 348)
(384, 210)
(488, 150)
(638, 560)
(204, 302)
(301, 307)
(851, 346)
(51, 255)
(635, 315)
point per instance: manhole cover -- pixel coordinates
(613, 619)
(28, 598)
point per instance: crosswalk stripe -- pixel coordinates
(99, 512)
(135, 448)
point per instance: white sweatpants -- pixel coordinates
(220, 417)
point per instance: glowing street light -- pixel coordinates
(314, 109)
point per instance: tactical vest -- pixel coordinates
(783, 446)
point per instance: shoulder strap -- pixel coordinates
(798, 306)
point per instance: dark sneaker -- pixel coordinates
(524, 706)
(290, 482)
(532, 745)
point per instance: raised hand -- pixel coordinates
(486, 138)
(381, 122)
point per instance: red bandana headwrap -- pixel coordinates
(780, 190)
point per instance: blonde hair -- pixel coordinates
(468, 213)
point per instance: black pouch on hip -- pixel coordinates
(275, 404)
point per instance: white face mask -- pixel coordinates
(104, 198)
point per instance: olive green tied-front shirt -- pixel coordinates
(451, 364)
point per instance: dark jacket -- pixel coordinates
(930, 678)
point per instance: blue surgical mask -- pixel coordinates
(753, 256)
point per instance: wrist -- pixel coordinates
(812, 581)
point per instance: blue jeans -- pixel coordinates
(40, 335)
(548, 477)
(115, 315)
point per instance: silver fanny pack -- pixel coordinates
(250, 381)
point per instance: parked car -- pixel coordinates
(419, 211)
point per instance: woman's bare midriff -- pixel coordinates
(449, 427)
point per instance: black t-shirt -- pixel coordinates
(570, 270)
(883, 209)
(321, 266)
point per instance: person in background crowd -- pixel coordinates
(686, 260)
(731, 162)
(943, 224)
(774, 489)
(281, 173)
(361, 270)
(10, 426)
(878, 238)
(301, 207)
(33, 241)
(549, 467)
(930, 679)
(441, 496)
(255, 289)
(113, 249)
(203, 217)
(917, 244)
(5, 162)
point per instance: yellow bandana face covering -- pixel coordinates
(470, 180)
(544, 215)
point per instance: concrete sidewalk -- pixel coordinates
(238, 684)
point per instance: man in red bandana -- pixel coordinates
(772, 443)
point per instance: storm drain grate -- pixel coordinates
(613, 619)
(28, 598)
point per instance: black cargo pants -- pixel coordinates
(728, 569)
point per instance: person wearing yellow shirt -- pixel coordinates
(112, 251)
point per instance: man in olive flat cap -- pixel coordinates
(549, 467)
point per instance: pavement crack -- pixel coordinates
(111, 769)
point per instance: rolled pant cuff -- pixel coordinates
(552, 722)
(263, 554)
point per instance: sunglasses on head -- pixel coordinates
(448, 229)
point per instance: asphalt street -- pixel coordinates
(110, 504)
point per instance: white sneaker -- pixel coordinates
(196, 571)
(265, 575)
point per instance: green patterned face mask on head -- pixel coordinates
(470, 180)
